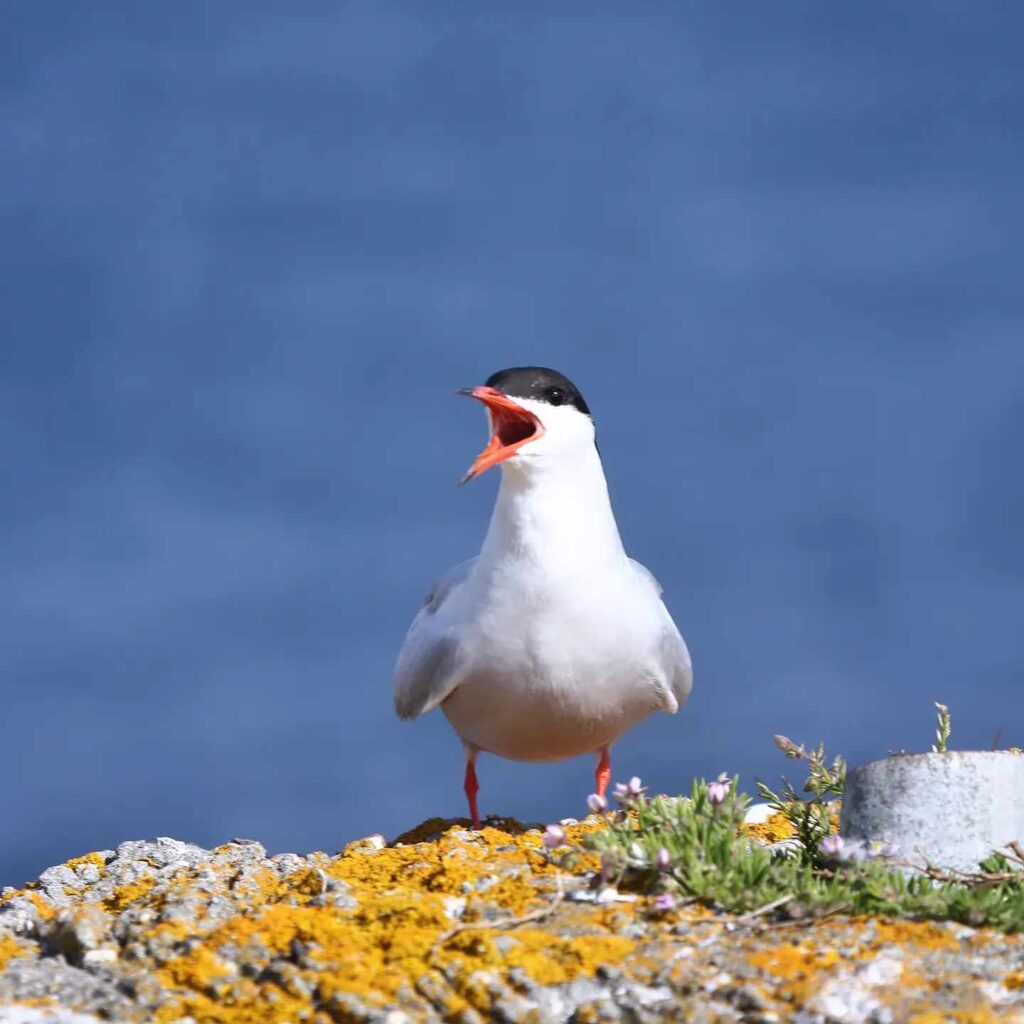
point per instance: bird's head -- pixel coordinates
(534, 414)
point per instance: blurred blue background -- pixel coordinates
(250, 250)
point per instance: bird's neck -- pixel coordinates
(554, 512)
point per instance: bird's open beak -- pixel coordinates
(513, 427)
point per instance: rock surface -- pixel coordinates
(451, 925)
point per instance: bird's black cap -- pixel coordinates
(540, 384)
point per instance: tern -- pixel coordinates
(552, 642)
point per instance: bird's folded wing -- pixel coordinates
(428, 664)
(676, 667)
(673, 656)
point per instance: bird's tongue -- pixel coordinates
(513, 427)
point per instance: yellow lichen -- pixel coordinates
(43, 907)
(552, 960)
(95, 858)
(453, 866)
(971, 1015)
(199, 968)
(926, 935)
(796, 964)
(122, 896)
(11, 948)
(771, 830)
(777, 827)
(400, 933)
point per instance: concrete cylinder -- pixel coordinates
(950, 809)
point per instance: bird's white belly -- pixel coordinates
(559, 667)
(529, 716)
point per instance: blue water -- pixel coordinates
(249, 252)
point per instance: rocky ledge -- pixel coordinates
(445, 924)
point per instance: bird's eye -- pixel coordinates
(556, 396)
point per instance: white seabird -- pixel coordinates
(552, 642)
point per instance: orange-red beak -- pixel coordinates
(513, 427)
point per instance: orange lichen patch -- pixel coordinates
(267, 887)
(986, 1015)
(368, 844)
(614, 916)
(1014, 980)
(911, 979)
(44, 908)
(548, 959)
(772, 830)
(11, 948)
(400, 932)
(96, 859)
(971, 1015)
(244, 1001)
(434, 828)
(921, 935)
(586, 827)
(376, 952)
(777, 828)
(199, 968)
(496, 862)
(798, 966)
(793, 960)
(552, 960)
(802, 969)
(127, 894)
(301, 886)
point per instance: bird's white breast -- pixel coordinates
(561, 664)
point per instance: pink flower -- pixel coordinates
(855, 851)
(627, 792)
(719, 790)
(597, 803)
(832, 847)
(663, 859)
(664, 902)
(554, 836)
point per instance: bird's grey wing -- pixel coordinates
(444, 585)
(672, 656)
(428, 664)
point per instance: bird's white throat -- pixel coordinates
(553, 508)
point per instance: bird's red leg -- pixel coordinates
(604, 772)
(472, 787)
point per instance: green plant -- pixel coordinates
(810, 818)
(945, 727)
(692, 849)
